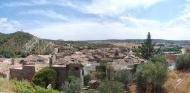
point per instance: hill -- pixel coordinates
(21, 43)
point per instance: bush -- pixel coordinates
(150, 77)
(183, 62)
(25, 87)
(7, 53)
(72, 85)
(22, 87)
(111, 87)
(87, 78)
(44, 77)
(123, 76)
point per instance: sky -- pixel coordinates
(97, 19)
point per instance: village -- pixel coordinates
(78, 63)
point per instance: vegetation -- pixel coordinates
(21, 44)
(22, 87)
(25, 87)
(123, 76)
(150, 77)
(159, 59)
(72, 85)
(44, 77)
(183, 62)
(147, 48)
(6, 86)
(178, 82)
(87, 78)
(111, 87)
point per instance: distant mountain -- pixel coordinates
(138, 41)
(24, 42)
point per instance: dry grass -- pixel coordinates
(132, 88)
(172, 86)
(6, 86)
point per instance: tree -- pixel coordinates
(159, 58)
(44, 77)
(123, 76)
(72, 85)
(183, 62)
(147, 48)
(111, 87)
(150, 77)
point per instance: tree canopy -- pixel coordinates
(150, 77)
(147, 48)
(183, 62)
(44, 77)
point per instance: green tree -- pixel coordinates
(72, 85)
(150, 77)
(123, 76)
(44, 77)
(111, 87)
(159, 58)
(147, 48)
(183, 62)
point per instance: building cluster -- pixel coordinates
(78, 63)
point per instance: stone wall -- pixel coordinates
(26, 73)
(61, 75)
(15, 74)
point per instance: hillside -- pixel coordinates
(20, 42)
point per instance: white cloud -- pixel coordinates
(141, 22)
(47, 13)
(7, 26)
(88, 30)
(116, 7)
(99, 7)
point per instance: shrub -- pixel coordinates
(87, 78)
(44, 77)
(111, 87)
(22, 87)
(8, 53)
(72, 85)
(150, 77)
(25, 87)
(183, 62)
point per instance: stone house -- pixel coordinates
(26, 72)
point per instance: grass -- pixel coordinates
(22, 87)
(6, 86)
(172, 86)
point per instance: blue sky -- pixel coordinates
(97, 19)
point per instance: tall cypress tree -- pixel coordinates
(147, 48)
